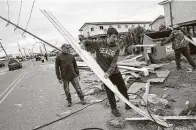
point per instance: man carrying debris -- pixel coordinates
(180, 45)
(107, 53)
(67, 71)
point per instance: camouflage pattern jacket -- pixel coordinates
(177, 39)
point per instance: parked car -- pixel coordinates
(2, 64)
(38, 58)
(14, 64)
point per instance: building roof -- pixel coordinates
(164, 2)
(112, 23)
(158, 34)
(160, 17)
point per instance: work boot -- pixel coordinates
(69, 104)
(127, 107)
(83, 101)
(178, 69)
(194, 68)
(116, 113)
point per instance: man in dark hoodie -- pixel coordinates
(67, 71)
(107, 53)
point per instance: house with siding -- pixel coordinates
(182, 13)
(99, 29)
(155, 25)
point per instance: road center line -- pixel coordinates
(13, 87)
(13, 83)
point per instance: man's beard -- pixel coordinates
(112, 44)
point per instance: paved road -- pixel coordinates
(31, 97)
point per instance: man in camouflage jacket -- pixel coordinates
(179, 45)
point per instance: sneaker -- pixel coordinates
(127, 107)
(194, 68)
(83, 102)
(116, 113)
(69, 104)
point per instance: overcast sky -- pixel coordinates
(72, 14)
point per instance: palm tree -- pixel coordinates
(138, 33)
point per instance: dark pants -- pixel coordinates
(76, 85)
(185, 52)
(119, 82)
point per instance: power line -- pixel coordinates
(29, 33)
(29, 16)
(8, 10)
(19, 14)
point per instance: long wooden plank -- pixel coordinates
(145, 96)
(165, 118)
(191, 41)
(144, 70)
(90, 61)
(150, 45)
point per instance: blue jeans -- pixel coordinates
(76, 85)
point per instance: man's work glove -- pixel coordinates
(106, 76)
(83, 47)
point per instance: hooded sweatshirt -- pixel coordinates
(106, 55)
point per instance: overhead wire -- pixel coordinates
(39, 127)
(8, 7)
(19, 15)
(29, 17)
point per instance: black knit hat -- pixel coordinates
(112, 31)
(65, 45)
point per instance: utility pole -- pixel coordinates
(45, 48)
(30, 33)
(4, 50)
(170, 9)
(40, 49)
(20, 50)
(24, 52)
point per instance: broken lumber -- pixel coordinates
(144, 70)
(162, 74)
(150, 45)
(133, 57)
(135, 87)
(156, 80)
(134, 74)
(191, 41)
(145, 96)
(164, 118)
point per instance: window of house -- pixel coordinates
(92, 29)
(119, 26)
(133, 25)
(126, 26)
(110, 26)
(101, 27)
(144, 25)
(139, 25)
